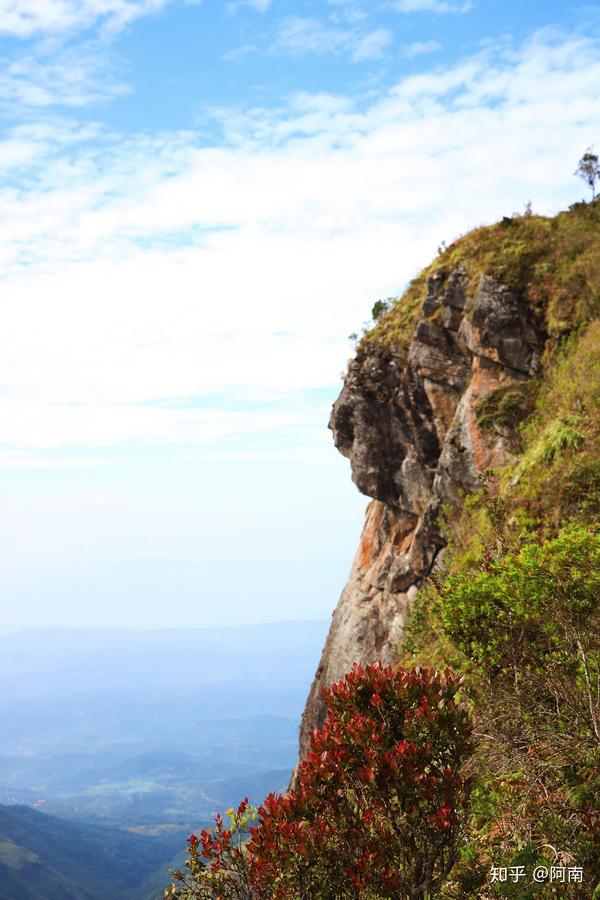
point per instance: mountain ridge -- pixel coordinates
(43, 857)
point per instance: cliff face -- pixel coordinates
(407, 421)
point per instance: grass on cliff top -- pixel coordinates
(553, 262)
(393, 329)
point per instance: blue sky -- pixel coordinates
(199, 203)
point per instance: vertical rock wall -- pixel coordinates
(409, 428)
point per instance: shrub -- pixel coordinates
(528, 621)
(378, 806)
(381, 306)
(217, 864)
(528, 609)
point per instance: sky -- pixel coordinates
(199, 203)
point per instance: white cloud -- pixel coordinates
(372, 45)
(58, 76)
(239, 54)
(300, 36)
(420, 48)
(144, 276)
(434, 6)
(259, 5)
(27, 18)
(348, 11)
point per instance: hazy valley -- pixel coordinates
(150, 732)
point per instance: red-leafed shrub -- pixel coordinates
(378, 802)
(217, 864)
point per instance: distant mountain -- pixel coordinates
(150, 730)
(46, 858)
(40, 662)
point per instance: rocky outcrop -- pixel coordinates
(408, 425)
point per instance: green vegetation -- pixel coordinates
(381, 306)
(558, 474)
(45, 858)
(516, 610)
(525, 625)
(395, 323)
(505, 408)
(551, 262)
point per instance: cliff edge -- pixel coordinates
(471, 334)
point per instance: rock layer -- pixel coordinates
(408, 425)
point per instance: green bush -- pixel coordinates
(529, 624)
(528, 608)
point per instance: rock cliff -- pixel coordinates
(407, 419)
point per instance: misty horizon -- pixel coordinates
(171, 593)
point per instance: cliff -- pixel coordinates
(433, 399)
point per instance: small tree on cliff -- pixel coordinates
(377, 808)
(588, 168)
(381, 306)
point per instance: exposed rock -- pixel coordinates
(408, 426)
(368, 621)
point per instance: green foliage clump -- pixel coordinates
(528, 609)
(522, 622)
(504, 408)
(381, 306)
(424, 641)
(557, 438)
